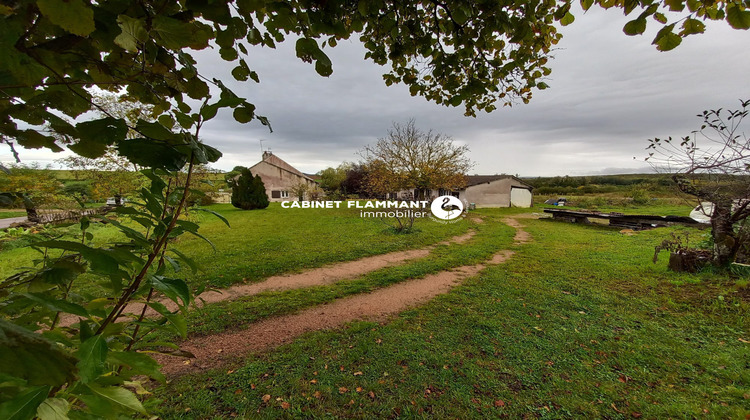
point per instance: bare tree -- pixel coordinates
(713, 164)
(409, 158)
(299, 189)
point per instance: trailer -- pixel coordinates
(620, 220)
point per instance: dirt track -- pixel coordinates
(313, 277)
(216, 349)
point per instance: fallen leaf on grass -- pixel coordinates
(314, 381)
(742, 340)
(371, 395)
(343, 389)
(359, 389)
(317, 394)
(285, 405)
(357, 373)
(499, 403)
(266, 398)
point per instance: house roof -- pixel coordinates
(276, 161)
(472, 180)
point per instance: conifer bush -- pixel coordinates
(248, 192)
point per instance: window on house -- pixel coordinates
(275, 194)
(284, 194)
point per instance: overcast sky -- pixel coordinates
(609, 93)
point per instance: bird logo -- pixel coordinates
(447, 207)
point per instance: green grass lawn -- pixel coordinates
(580, 323)
(262, 243)
(6, 214)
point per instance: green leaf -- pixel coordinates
(173, 34)
(197, 88)
(660, 17)
(118, 397)
(737, 17)
(139, 363)
(25, 354)
(91, 357)
(675, 5)
(666, 39)
(32, 139)
(24, 406)
(323, 65)
(101, 260)
(60, 273)
(635, 27)
(154, 130)
(244, 114)
(177, 321)
(133, 33)
(586, 4)
(152, 154)
(96, 135)
(57, 305)
(174, 289)
(567, 19)
(222, 218)
(209, 111)
(629, 6)
(692, 26)
(187, 260)
(53, 409)
(72, 15)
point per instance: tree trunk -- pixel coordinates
(722, 232)
(30, 207)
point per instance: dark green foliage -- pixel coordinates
(80, 189)
(248, 192)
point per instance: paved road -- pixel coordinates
(4, 223)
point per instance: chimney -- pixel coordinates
(266, 154)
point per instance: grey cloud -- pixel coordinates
(609, 93)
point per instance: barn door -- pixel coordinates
(520, 197)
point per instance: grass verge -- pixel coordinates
(579, 323)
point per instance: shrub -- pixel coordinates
(248, 192)
(640, 196)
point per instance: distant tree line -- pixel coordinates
(601, 184)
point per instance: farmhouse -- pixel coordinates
(484, 191)
(279, 177)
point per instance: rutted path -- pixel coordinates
(214, 350)
(324, 275)
(312, 277)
